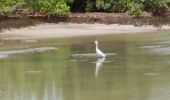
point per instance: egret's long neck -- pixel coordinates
(96, 46)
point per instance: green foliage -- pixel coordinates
(111, 5)
(158, 7)
(61, 7)
(7, 6)
(168, 3)
(49, 6)
(135, 9)
(119, 6)
(90, 5)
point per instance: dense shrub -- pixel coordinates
(168, 3)
(111, 5)
(106, 5)
(157, 7)
(90, 5)
(61, 7)
(8, 6)
(48, 6)
(135, 9)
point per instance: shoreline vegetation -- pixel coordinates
(69, 8)
(134, 12)
(22, 13)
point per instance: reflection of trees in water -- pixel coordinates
(32, 76)
(31, 82)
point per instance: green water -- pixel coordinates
(138, 70)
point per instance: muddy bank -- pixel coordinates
(20, 21)
(51, 30)
(33, 27)
(118, 18)
(96, 17)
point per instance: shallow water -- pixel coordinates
(137, 67)
(4, 54)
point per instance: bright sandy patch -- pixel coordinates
(48, 30)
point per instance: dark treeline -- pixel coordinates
(62, 7)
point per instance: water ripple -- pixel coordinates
(5, 54)
(89, 55)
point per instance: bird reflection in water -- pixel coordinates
(99, 64)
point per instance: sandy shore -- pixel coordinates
(48, 30)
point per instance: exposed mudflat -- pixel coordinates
(50, 30)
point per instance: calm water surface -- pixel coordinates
(137, 68)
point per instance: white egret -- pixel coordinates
(98, 51)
